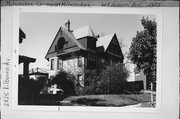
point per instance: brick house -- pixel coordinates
(79, 49)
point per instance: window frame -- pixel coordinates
(80, 63)
(52, 62)
(58, 65)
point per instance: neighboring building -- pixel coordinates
(141, 77)
(25, 60)
(80, 49)
(136, 78)
(38, 73)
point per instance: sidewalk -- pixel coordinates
(140, 105)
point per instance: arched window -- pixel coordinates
(60, 43)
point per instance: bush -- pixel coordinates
(64, 81)
(87, 90)
(29, 89)
(112, 79)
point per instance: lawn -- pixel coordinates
(91, 100)
(109, 100)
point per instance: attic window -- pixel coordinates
(60, 43)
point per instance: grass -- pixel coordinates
(109, 100)
(91, 100)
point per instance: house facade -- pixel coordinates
(79, 49)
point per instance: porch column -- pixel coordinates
(26, 70)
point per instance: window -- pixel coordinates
(103, 61)
(60, 44)
(111, 61)
(88, 56)
(94, 58)
(52, 64)
(60, 64)
(79, 61)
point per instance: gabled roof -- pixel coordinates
(83, 32)
(70, 37)
(22, 35)
(105, 41)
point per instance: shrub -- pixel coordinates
(91, 78)
(65, 81)
(29, 89)
(112, 79)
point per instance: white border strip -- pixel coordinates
(93, 10)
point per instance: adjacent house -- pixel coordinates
(25, 60)
(138, 79)
(38, 73)
(79, 49)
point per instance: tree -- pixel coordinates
(112, 79)
(143, 49)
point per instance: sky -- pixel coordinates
(41, 28)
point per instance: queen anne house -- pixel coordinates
(79, 49)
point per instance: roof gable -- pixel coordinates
(68, 36)
(22, 35)
(83, 32)
(73, 39)
(114, 47)
(105, 41)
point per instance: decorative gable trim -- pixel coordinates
(46, 57)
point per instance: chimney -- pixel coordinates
(67, 25)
